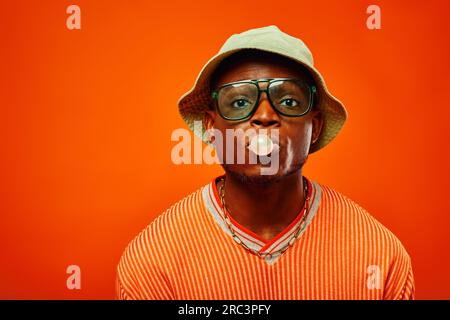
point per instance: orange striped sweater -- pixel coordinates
(188, 253)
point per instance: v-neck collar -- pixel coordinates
(252, 240)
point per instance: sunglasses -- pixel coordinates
(288, 96)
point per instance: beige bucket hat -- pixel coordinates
(193, 104)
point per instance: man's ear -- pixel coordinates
(317, 124)
(209, 119)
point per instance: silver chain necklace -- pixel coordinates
(291, 240)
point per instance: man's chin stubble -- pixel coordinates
(261, 180)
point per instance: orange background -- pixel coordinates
(87, 115)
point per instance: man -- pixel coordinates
(248, 235)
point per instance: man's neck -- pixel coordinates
(265, 209)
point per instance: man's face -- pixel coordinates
(296, 134)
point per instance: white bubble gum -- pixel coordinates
(262, 145)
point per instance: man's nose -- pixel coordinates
(265, 115)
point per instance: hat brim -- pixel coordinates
(193, 104)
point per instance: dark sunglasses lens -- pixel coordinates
(290, 97)
(236, 101)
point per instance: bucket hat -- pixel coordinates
(193, 104)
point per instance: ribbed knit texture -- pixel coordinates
(187, 253)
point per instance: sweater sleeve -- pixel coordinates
(140, 275)
(408, 290)
(400, 281)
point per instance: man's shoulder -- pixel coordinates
(171, 225)
(357, 220)
(180, 212)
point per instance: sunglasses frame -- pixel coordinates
(311, 88)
